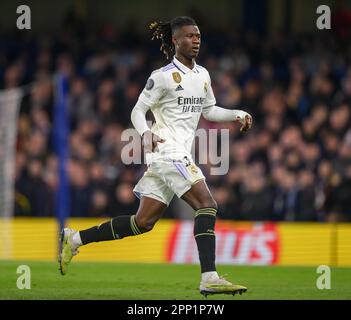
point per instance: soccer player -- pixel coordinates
(177, 95)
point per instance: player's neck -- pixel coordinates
(190, 63)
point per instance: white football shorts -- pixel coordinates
(165, 178)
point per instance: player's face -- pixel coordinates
(187, 41)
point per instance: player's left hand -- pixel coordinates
(246, 122)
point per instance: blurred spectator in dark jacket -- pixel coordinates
(99, 204)
(306, 197)
(226, 208)
(123, 200)
(342, 192)
(80, 188)
(33, 195)
(257, 199)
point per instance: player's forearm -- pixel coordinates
(138, 117)
(219, 114)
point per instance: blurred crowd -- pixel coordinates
(294, 165)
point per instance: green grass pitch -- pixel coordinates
(123, 281)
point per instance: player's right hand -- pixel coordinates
(150, 141)
(246, 122)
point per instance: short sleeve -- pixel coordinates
(154, 90)
(210, 98)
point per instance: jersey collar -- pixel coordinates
(183, 68)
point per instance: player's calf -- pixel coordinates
(204, 233)
(117, 228)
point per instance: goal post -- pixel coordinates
(10, 101)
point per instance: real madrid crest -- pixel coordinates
(205, 86)
(176, 77)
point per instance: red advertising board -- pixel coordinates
(255, 244)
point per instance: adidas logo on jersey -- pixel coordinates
(179, 88)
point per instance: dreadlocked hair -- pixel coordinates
(163, 31)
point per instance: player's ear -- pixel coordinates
(174, 41)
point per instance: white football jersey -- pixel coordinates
(177, 96)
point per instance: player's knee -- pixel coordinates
(214, 204)
(145, 224)
(207, 203)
